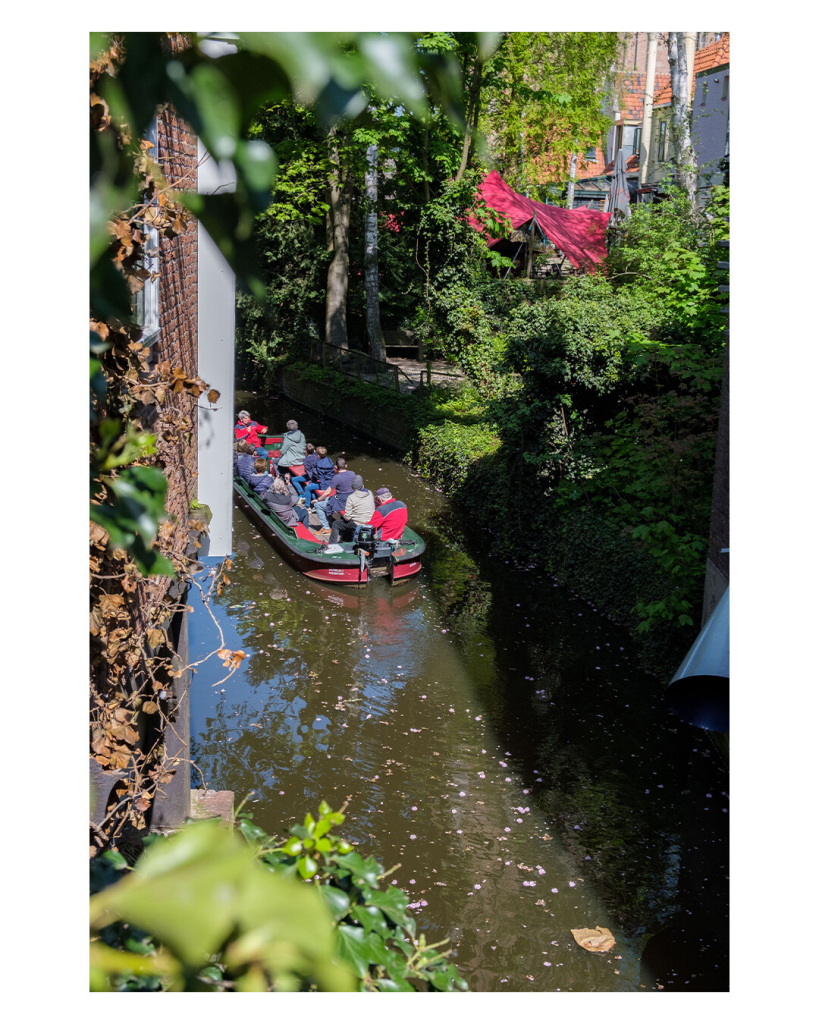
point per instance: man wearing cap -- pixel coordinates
(390, 516)
(358, 510)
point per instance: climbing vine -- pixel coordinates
(141, 556)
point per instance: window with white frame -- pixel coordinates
(628, 139)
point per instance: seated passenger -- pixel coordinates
(292, 450)
(390, 516)
(358, 510)
(261, 479)
(285, 504)
(244, 458)
(248, 430)
(321, 488)
(304, 480)
(342, 483)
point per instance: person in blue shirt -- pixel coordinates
(244, 457)
(261, 479)
(321, 482)
(341, 480)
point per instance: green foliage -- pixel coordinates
(542, 101)
(374, 931)
(132, 518)
(446, 451)
(135, 74)
(667, 255)
(209, 917)
(204, 911)
(295, 262)
(578, 342)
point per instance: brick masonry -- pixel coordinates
(176, 146)
(635, 50)
(176, 152)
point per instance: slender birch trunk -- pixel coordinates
(374, 333)
(681, 117)
(570, 185)
(335, 326)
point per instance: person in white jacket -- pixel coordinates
(358, 510)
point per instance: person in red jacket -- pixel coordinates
(390, 516)
(248, 430)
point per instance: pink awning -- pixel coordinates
(580, 234)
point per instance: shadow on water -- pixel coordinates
(491, 735)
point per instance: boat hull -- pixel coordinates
(397, 565)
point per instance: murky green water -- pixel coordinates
(490, 733)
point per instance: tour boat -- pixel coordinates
(350, 563)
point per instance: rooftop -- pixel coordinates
(712, 56)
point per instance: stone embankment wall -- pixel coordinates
(386, 425)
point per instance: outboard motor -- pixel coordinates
(365, 544)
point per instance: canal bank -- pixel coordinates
(586, 553)
(490, 733)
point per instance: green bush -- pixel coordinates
(446, 451)
(205, 911)
(578, 341)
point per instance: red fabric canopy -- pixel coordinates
(581, 234)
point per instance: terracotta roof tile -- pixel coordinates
(712, 56)
(631, 89)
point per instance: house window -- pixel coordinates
(661, 140)
(725, 86)
(146, 301)
(591, 152)
(629, 139)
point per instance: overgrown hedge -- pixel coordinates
(588, 554)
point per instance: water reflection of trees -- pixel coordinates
(302, 656)
(594, 740)
(590, 741)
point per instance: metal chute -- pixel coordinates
(698, 693)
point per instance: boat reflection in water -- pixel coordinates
(380, 597)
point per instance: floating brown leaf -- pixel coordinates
(595, 940)
(230, 659)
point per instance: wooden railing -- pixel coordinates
(362, 366)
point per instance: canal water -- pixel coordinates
(489, 732)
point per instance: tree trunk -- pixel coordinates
(335, 324)
(472, 110)
(681, 117)
(374, 333)
(570, 185)
(648, 107)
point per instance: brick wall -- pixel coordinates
(176, 147)
(634, 53)
(176, 152)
